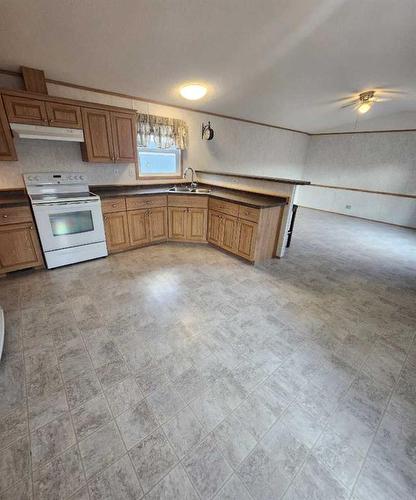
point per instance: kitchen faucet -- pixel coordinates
(193, 183)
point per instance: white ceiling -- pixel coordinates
(281, 62)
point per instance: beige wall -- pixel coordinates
(237, 147)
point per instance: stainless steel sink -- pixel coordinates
(188, 189)
(201, 190)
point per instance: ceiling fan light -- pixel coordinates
(364, 107)
(193, 91)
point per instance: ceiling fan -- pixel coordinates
(365, 100)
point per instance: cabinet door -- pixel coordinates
(98, 146)
(123, 128)
(215, 227)
(158, 230)
(246, 239)
(228, 241)
(177, 223)
(116, 231)
(138, 227)
(25, 110)
(64, 115)
(7, 149)
(196, 224)
(19, 247)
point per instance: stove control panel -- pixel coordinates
(54, 178)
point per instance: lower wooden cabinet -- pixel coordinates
(158, 224)
(147, 226)
(116, 231)
(251, 234)
(245, 241)
(177, 223)
(188, 224)
(19, 247)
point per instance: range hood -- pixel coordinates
(24, 131)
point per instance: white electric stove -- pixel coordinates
(68, 217)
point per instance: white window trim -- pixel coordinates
(162, 175)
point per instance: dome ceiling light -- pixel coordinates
(193, 91)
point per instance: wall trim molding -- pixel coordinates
(385, 193)
(210, 113)
(358, 217)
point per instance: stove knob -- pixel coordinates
(75, 177)
(81, 177)
(36, 178)
(70, 177)
(30, 178)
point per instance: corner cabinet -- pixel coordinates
(110, 137)
(188, 218)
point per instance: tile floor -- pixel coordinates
(179, 372)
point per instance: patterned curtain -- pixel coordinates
(165, 132)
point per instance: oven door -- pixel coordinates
(69, 224)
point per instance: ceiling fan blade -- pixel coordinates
(355, 103)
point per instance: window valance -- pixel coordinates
(165, 132)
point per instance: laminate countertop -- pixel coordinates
(242, 197)
(10, 199)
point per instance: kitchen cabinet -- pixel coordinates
(245, 241)
(63, 115)
(138, 227)
(123, 127)
(177, 223)
(110, 137)
(7, 149)
(19, 243)
(116, 231)
(215, 228)
(25, 110)
(188, 216)
(158, 224)
(249, 232)
(196, 224)
(98, 145)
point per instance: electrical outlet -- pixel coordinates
(115, 171)
(348, 207)
(131, 171)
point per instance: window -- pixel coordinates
(157, 162)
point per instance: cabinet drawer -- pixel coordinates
(224, 207)
(141, 201)
(14, 215)
(113, 205)
(188, 200)
(249, 213)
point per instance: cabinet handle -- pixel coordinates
(105, 219)
(30, 227)
(5, 216)
(114, 205)
(51, 121)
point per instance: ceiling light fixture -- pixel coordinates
(193, 91)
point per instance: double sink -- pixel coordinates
(189, 189)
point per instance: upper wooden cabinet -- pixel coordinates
(110, 137)
(123, 127)
(7, 149)
(110, 132)
(63, 115)
(98, 145)
(25, 110)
